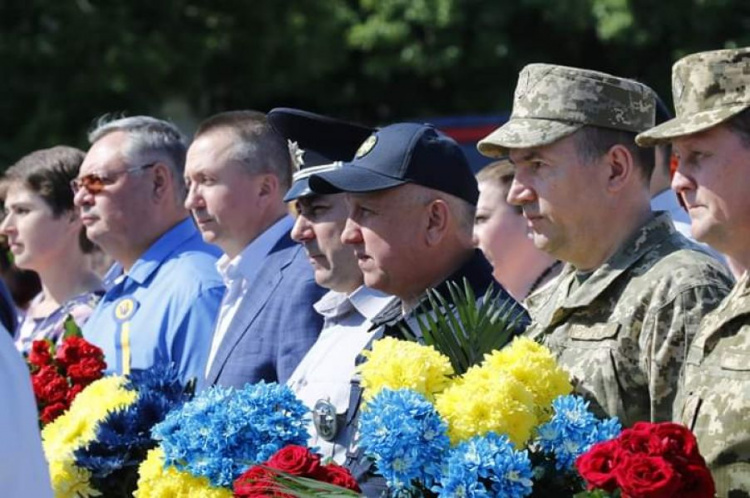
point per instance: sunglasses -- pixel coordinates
(94, 183)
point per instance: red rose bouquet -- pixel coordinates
(59, 374)
(648, 461)
(295, 471)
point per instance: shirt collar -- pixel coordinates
(248, 263)
(369, 302)
(161, 250)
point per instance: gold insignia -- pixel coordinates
(366, 146)
(124, 309)
(297, 153)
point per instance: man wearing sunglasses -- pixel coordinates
(163, 292)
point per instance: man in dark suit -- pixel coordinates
(238, 169)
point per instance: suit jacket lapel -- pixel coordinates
(253, 302)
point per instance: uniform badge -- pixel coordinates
(297, 153)
(325, 420)
(125, 308)
(366, 146)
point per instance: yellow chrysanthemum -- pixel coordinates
(534, 366)
(483, 401)
(155, 481)
(77, 427)
(396, 364)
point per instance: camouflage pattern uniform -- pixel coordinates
(714, 398)
(623, 332)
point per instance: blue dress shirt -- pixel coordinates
(162, 310)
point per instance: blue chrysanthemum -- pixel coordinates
(223, 431)
(573, 430)
(486, 466)
(405, 436)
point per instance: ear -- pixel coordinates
(162, 181)
(620, 167)
(269, 187)
(438, 214)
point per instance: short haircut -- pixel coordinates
(592, 142)
(740, 125)
(150, 139)
(501, 174)
(48, 173)
(259, 147)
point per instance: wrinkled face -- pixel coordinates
(500, 229)
(223, 196)
(318, 228)
(36, 237)
(713, 179)
(384, 229)
(559, 195)
(114, 216)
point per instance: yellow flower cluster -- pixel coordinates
(395, 364)
(155, 481)
(535, 367)
(77, 427)
(510, 393)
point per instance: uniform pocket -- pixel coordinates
(596, 332)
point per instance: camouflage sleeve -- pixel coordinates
(665, 339)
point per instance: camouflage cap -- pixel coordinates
(552, 102)
(708, 88)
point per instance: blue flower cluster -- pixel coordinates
(123, 437)
(406, 437)
(573, 430)
(486, 466)
(223, 431)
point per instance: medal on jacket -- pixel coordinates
(325, 420)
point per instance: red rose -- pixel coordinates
(637, 440)
(49, 386)
(295, 460)
(86, 371)
(597, 466)
(258, 481)
(51, 412)
(73, 392)
(647, 477)
(74, 349)
(39, 355)
(337, 475)
(697, 482)
(674, 441)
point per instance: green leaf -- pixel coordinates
(71, 328)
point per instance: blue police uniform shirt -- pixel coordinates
(163, 310)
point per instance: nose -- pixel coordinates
(302, 230)
(193, 200)
(352, 234)
(519, 193)
(681, 181)
(475, 236)
(6, 226)
(82, 197)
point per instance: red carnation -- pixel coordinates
(645, 476)
(74, 349)
(51, 412)
(73, 392)
(337, 475)
(258, 481)
(49, 386)
(597, 466)
(295, 460)
(39, 355)
(86, 371)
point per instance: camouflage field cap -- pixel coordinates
(708, 88)
(552, 102)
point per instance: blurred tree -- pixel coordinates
(64, 63)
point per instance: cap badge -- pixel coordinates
(297, 153)
(366, 146)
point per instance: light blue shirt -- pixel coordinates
(162, 310)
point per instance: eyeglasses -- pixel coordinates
(94, 183)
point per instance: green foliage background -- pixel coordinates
(63, 63)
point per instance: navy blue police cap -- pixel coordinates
(316, 143)
(403, 153)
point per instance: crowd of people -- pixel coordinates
(277, 247)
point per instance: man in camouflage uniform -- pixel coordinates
(711, 136)
(633, 291)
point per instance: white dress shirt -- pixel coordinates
(667, 201)
(326, 370)
(23, 469)
(238, 274)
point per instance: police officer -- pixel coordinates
(711, 137)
